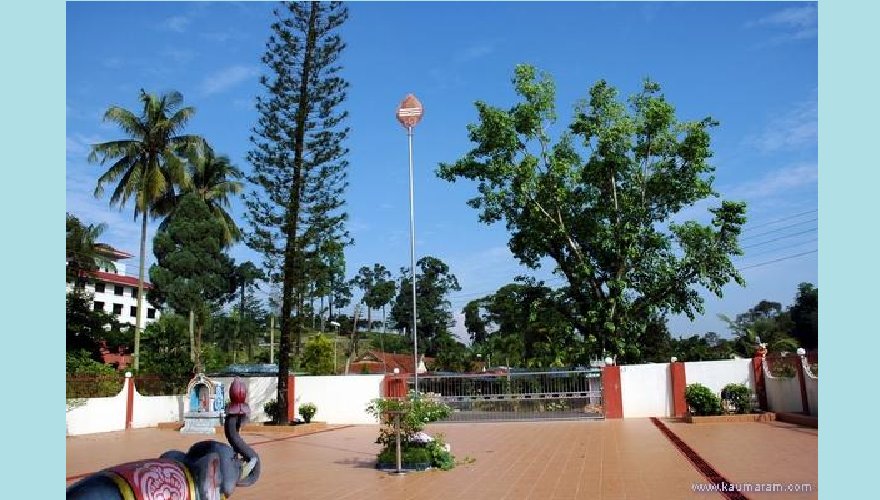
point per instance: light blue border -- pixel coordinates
(32, 35)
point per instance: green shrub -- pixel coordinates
(408, 455)
(273, 411)
(738, 396)
(702, 401)
(307, 411)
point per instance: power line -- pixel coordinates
(771, 250)
(781, 238)
(789, 217)
(787, 257)
(774, 231)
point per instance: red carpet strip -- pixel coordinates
(709, 472)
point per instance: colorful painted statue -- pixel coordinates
(209, 470)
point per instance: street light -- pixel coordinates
(409, 113)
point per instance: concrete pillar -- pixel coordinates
(679, 384)
(291, 402)
(758, 372)
(129, 400)
(611, 391)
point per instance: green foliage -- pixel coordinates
(434, 282)
(80, 363)
(299, 174)
(415, 412)
(273, 410)
(600, 203)
(738, 396)
(318, 356)
(192, 272)
(82, 252)
(87, 328)
(167, 348)
(805, 316)
(308, 410)
(529, 327)
(410, 455)
(146, 165)
(391, 342)
(702, 401)
(213, 179)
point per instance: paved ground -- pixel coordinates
(619, 459)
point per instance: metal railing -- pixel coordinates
(557, 395)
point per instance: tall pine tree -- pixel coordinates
(298, 158)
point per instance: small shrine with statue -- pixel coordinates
(206, 403)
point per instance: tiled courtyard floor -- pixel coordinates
(619, 459)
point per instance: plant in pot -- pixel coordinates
(737, 398)
(701, 401)
(417, 449)
(273, 411)
(307, 411)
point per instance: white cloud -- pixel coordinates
(797, 128)
(177, 24)
(474, 52)
(227, 78)
(777, 182)
(792, 23)
(180, 56)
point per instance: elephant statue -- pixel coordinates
(209, 470)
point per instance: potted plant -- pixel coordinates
(418, 450)
(307, 411)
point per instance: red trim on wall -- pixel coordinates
(679, 383)
(129, 402)
(290, 401)
(611, 392)
(760, 385)
(799, 368)
(395, 386)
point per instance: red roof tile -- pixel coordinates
(117, 279)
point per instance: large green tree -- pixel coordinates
(804, 315)
(215, 180)
(373, 283)
(299, 166)
(192, 272)
(146, 165)
(434, 281)
(601, 201)
(528, 326)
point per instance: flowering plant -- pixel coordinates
(308, 410)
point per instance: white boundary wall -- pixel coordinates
(812, 392)
(260, 390)
(716, 374)
(646, 390)
(99, 414)
(340, 399)
(783, 393)
(149, 411)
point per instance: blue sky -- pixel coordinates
(752, 66)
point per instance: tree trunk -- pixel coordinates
(136, 357)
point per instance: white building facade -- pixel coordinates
(115, 292)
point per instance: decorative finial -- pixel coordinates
(237, 398)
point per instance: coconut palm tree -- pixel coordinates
(214, 178)
(146, 165)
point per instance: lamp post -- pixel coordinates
(409, 113)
